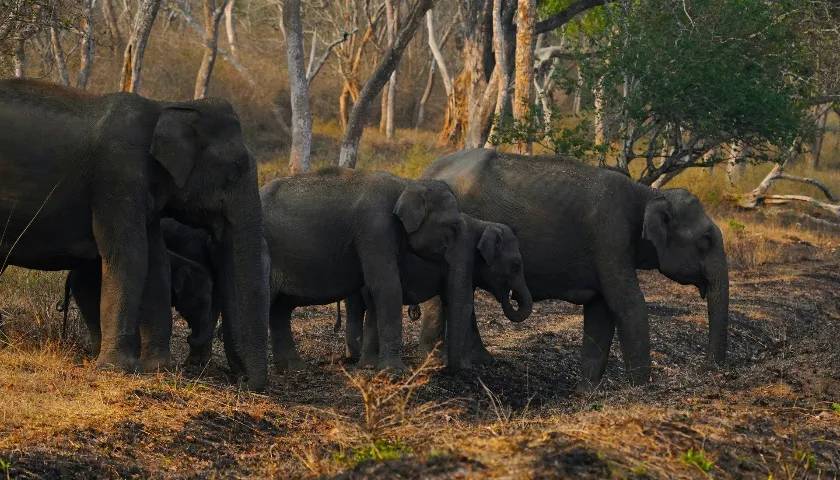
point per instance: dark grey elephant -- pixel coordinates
(86, 176)
(192, 265)
(583, 233)
(497, 268)
(333, 232)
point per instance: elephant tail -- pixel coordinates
(337, 326)
(64, 306)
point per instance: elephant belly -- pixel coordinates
(316, 282)
(53, 239)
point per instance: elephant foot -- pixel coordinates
(155, 362)
(639, 376)
(480, 357)
(291, 364)
(393, 364)
(116, 361)
(367, 361)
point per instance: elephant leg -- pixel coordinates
(282, 343)
(370, 336)
(196, 311)
(120, 232)
(598, 331)
(353, 330)
(475, 347)
(431, 327)
(623, 296)
(156, 307)
(382, 280)
(85, 284)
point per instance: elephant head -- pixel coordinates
(212, 183)
(500, 270)
(429, 214)
(689, 250)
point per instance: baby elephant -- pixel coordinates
(333, 232)
(497, 268)
(192, 289)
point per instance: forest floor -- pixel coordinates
(773, 412)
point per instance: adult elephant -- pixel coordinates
(583, 232)
(86, 176)
(333, 232)
(497, 268)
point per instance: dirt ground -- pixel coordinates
(773, 412)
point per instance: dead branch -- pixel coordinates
(312, 70)
(759, 195)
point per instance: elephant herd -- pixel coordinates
(154, 204)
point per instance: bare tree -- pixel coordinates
(356, 123)
(110, 18)
(299, 160)
(526, 15)
(86, 44)
(136, 47)
(437, 59)
(500, 49)
(20, 57)
(58, 56)
(212, 16)
(230, 29)
(386, 124)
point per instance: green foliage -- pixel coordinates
(720, 69)
(573, 141)
(836, 408)
(697, 458)
(737, 227)
(5, 467)
(378, 451)
(805, 458)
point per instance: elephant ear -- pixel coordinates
(411, 207)
(175, 143)
(657, 219)
(490, 243)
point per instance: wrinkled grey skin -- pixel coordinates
(190, 253)
(333, 232)
(89, 176)
(583, 232)
(497, 268)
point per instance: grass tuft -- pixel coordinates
(697, 458)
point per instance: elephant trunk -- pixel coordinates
(243, 284)
(523, 299)
(717, 277)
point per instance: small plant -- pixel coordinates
(6, 467)
(737, 227)
(697, 458)
(805, 458)
(835, 407)
(377, 451)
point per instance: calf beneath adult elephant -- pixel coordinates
(192, 262)
(497, 268)
(84, 177)
(583, 232)
(333, 232)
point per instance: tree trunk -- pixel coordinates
(20, 57)
(427, 92)
(136, 47)
(299, 156)
(477, 45)
(113, 26)
(525, 21)
(500, 48)
(380, 75)
(58, 57)
(600, 131)
(817, 146)
(230, 29)
(212, 17)
(86, 45)
(391, 23)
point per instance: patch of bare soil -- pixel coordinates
(773, 411)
